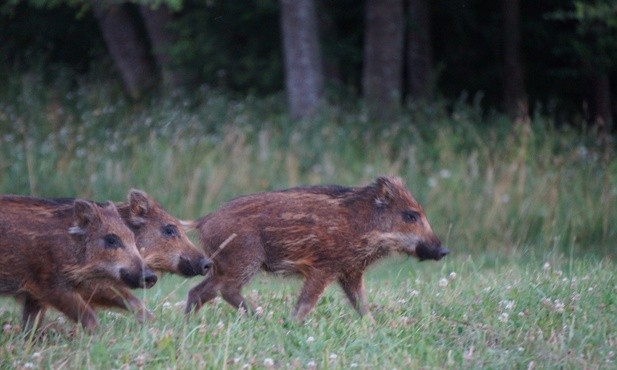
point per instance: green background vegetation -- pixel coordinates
(505, 198)
(236, 47)
(528, 209)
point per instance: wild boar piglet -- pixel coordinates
(322, 233)
(49, 250)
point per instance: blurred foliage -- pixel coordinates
(488, 185)
(236, 46)
(231, 45)
(596, 30)
(8, 6)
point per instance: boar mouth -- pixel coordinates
(426, 252)
(192, 267)
(141, 279)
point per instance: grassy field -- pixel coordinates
(528, 211)
(464, 313)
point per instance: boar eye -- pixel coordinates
(112, 241)
(411, 216)
(170, 230)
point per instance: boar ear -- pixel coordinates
(84, 213)
(110, 205)
(139, 205)
(385, 191)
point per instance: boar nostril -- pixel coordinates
(443, 251)
(150, 278)
(206, 264)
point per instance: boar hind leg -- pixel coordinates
(201, 293)
(353, 286)
(314, 285)
(33, 313)
(75, 308)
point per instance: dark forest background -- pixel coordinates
(553, 57)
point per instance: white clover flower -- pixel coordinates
(268, 362)
(166, 305)
(443, 282)
(468, 355)
(559, 306)
(546, 266)
(310, 340)
(333, 356)
(140, 360)
(506, 305)
(414, 293)
(452, 275)
(311, 364)
(504, 317)
(445, 173)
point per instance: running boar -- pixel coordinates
(48, 251)
(323, 233)
(163, 245)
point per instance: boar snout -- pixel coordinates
(138, 278)
(206, 264)
(195, 266)
(149, 278)
(430, 252)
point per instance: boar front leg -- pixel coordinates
(231, 294)
(120, 298)
(314, 285)
(74, 307)
(201, 293)
(33, 313)
(353, 286)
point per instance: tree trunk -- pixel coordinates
(327, 29)
(383, 57)
(514, 83)
(161, 38)
(420, 51)
(303, 64)
(127, 49)
(599, 88)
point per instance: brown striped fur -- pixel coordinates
(322, 233)
(162, 243)
(49, 250)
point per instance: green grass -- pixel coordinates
(457, 314)
(505, 198)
